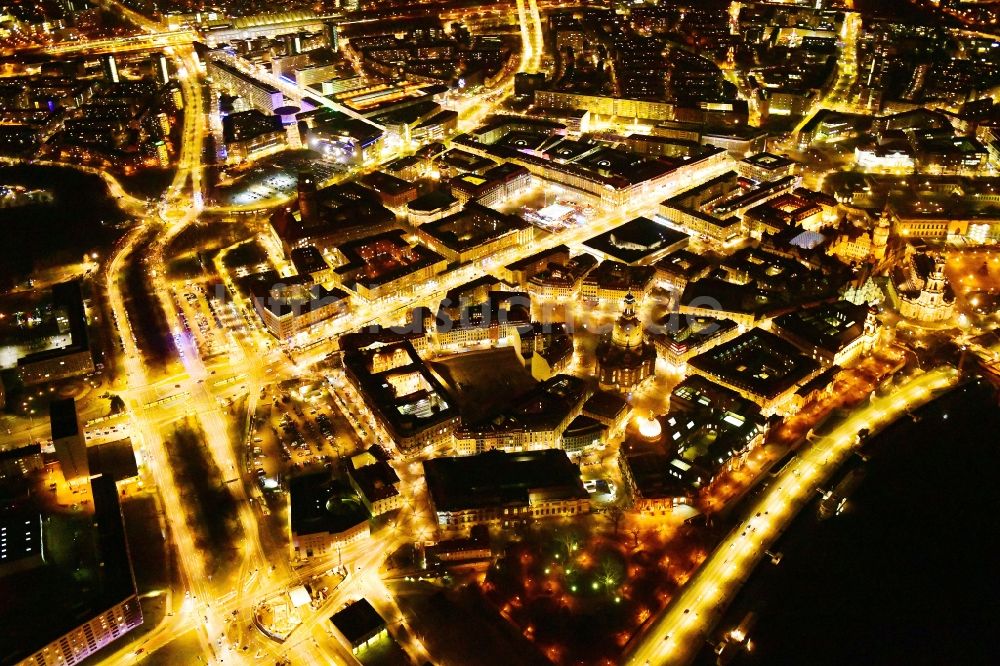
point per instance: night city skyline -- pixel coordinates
(445, 332)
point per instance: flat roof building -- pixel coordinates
(403, 395)
(386, 264)
(640, 241)
(324, 513)
(291, 305)
(504, 488)
(68, 361)
(760, 366)
(360, 624)
(475, 232)
(831, 333)
(532, 420)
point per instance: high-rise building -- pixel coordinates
(161, 70)
(110, 67)
(293, 44)
(67, 439)
(330, 31)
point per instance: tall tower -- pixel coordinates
(880, 235)
(626, 359)
(161, 69)
(110, 66)
(935, 282)
(627, 332)
(308, 199)
(67, 439)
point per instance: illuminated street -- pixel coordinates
(402, 333)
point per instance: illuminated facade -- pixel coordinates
(626, 359)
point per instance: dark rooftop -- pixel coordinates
(358, 621)
(320, 503)
(308, 260)
(829, 326)
(757, 361)
(499, 478)
(637, 241)
(62, 417)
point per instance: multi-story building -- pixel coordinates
(324, 514)
(248, 134)
(385, 265)
(392, 191)
(475, 232)
(292, 305)
(533, 421)
(561, 282)
(403, 396)
(68, 441)
(68, 361)
(494, 186)
(504, 489)
(604, 105)
(519, 272)
(612, 281)
(759, 366)
(375, 481)
(309, 261)
(677, 269)
(679, 337)
(493, 322)
(113, 608)
(431, 207)
(832, 333)
(765, 166)
(257, 94)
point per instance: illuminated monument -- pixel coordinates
(627, 358)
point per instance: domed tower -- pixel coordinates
(935, 301)
(627, 332)
(626, 358)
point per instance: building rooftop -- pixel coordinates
(358, 621)
(829, 326)
(538, 256)
(768, 161)
(113, 459)
(320, 503)
(249, 124)
(498, 478)
(386, 184)
(638, 241)
(296, 294)
(616, 275)
(384, 257)
(405, 393)
(472, 226)
(375, 481)
(605, 405)
(542, 407)
(67, 298)
(307, 260)
(432, 201)
(757, 361)
(680, 334)
(62, 417)
(683, 265)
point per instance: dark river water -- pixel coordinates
(908, 573)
